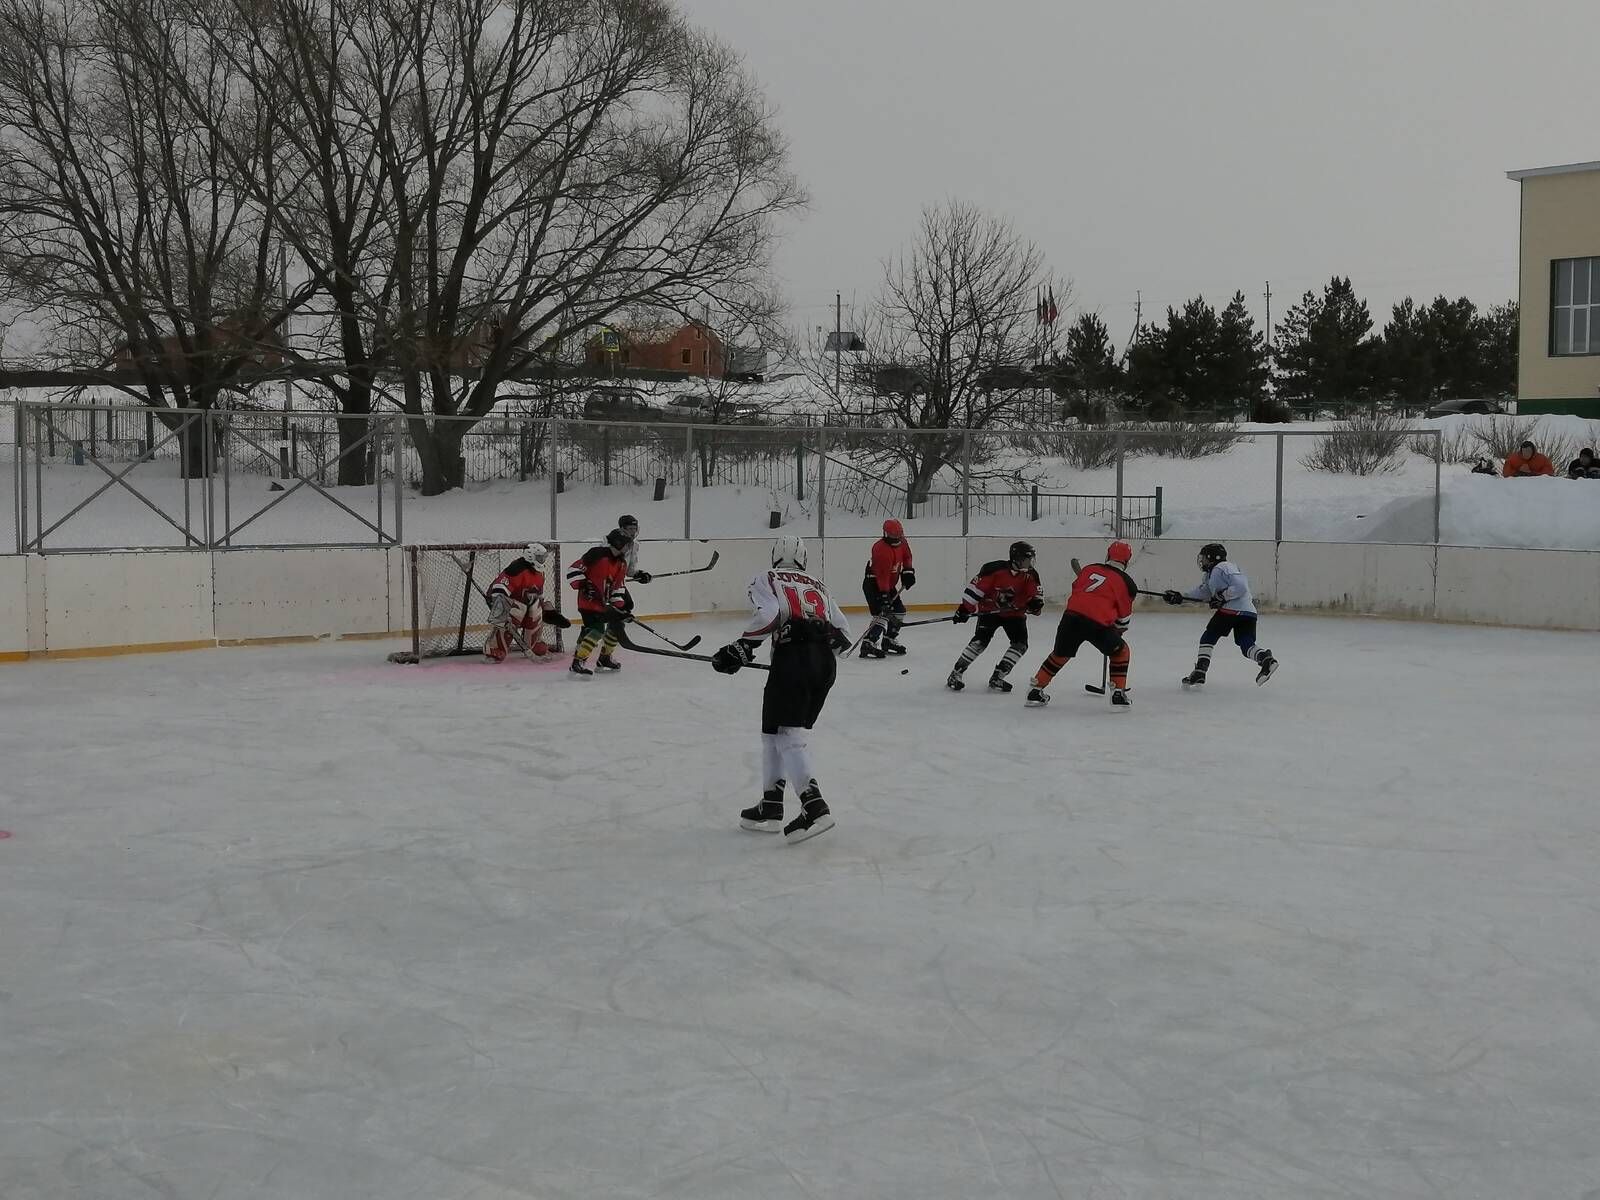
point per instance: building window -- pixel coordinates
(686, 359)
(705, 358)
(1575, 306)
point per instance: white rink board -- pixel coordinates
(300, 593)
(14, 604)
(129, 599)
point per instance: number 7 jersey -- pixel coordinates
(783, 595)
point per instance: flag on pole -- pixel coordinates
(1051, 312)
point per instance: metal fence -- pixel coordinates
(101, 476)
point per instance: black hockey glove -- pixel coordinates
(732, 657)
(1218, 600)
(641, 577)
(1035, 606)
(1172, 596)
(908, 579)
(555, 620)
(962, 615)
(838, 639)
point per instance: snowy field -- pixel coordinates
(293, 923)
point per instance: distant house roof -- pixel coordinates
(846, 340)
(1564, 169)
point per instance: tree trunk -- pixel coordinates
(439, 452)
(356, 458)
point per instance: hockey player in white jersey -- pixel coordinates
(1224, 586)
(807, 629)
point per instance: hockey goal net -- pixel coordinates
(447, 605)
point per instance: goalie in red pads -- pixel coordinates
(520, 608)
(1003, 595)
(1099, 611)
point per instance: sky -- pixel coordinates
(1175, 149)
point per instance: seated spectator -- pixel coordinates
(1527, 461)
(1585, 466)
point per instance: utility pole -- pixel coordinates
(838, 339)
(1268, 295)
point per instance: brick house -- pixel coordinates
(692, 349)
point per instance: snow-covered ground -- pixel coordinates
(291, 922)
(1231, 495)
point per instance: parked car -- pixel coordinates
(619, 404)
(1451, 408)
(712, 410)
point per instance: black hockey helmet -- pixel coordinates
(1210, 555)
(1020, 551)
(628, 523)
(618, 540)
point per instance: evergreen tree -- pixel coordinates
(1323, 353)
(1498, 333)
(1192, 345)
(1406, 357)
(1241, 356)
(1090, 360)
(1455, 336)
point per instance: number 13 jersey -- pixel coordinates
(783, 596)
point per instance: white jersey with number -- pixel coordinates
(784, 594)
(1228, 581)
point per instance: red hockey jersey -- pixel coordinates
(599, 573)
(521, 582)
(999, 587)
(1104, 593)
(887, 562)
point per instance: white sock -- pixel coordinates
(771, 760)
(796, 757)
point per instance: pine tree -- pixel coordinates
(1455, 336)
(1242, 357)
(1090, 361)
(1406, 357)
(1323, 353)
(1498, 333)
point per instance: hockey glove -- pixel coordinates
(555, 620)
(588, 591)
(1035, 606)
(908, 579)
(732, 657)
(1218, 600)
(962, 615)
(641, 577)
(1172, 596)
(838, 639)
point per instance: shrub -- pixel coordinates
(1182, 439)
(1499, 436)
(1457, 443)
(1085, 449)
(1269, 410)
(1366, 445)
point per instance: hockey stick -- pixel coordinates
(1005, 616)
(689, 645)
(715, 554)
(622, 636)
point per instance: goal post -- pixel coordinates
(446, 585)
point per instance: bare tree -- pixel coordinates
(948, 341)
(130, 233)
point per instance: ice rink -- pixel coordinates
(294, 924)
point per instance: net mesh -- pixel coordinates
(448, 612)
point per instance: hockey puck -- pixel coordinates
(905, 670)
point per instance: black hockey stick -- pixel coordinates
(622, 636)
(1005, 616)
(715, 554)
(689, 645)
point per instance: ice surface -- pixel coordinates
(293, 924)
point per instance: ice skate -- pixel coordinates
(1037, 698)
(1119, 698)
(606, 663)
(872, 650)
(814, 817)
(999, 683)
(1269, 668)
(767, 816)
(955, 683)
(890, 646)
(579, 671)
(1193, 680)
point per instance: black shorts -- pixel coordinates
(988, 623)
(1241, 625)
(797, 686)
(1076, 629)
(875, 604)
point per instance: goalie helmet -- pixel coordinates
(537, 553)
(789, 550)
(1119, 552)
(1210, 555)
(1021, 551)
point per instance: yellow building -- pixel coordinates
(1558, 353)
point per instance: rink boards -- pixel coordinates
(67, 605)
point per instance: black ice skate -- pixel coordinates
(1269, 667)
(814, 817)
(1037, 698)
(999, 683)
(582, 672)
(606, 663)
(872, 650)
(955, 683)
(1193, 680)
(767, 816)
(890, 646)
(1119, 698)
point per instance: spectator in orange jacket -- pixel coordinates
(1527, 461)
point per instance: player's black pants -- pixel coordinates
(797, 686)
(1076, 629)
(1223, 622)
(988, 625)
(886, 607)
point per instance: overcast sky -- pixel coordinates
(1177, 148)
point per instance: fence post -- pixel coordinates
(688, 480)
(966, 480)
(398, 461)
(227, 479)
(94, 436)
(1033, 503)
(605, 457)
(149, 431)
(1277, 506)
(1116, 524)
(800, 469)
(552, 441)
(1158, 510)
(1438, 456)
(38, 487)
(20, 483)
(522, 452)
(822, 482)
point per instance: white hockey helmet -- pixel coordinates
(789, 550)
(536, 553)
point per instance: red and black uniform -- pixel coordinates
(517, 600)
(522, 582)
(1002, 594)
(1099, 611)
(889, 573)
(600, 578)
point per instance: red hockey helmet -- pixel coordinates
(1119, 552)
(893, 530)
